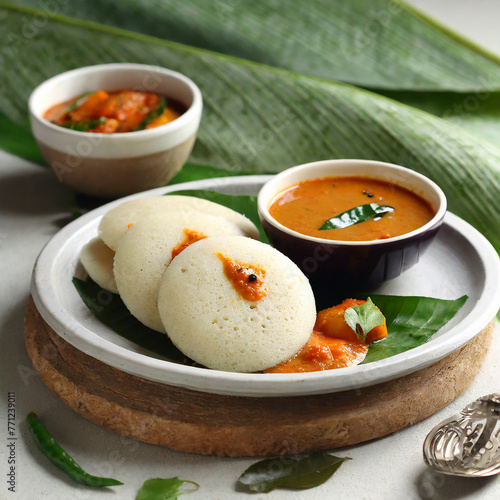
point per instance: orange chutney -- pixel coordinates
(111, 112)
(190, 237)
(333, 343)
(306, 206)
(248, 280)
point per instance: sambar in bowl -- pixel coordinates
(351, 224)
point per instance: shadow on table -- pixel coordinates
(34, 193)
(435, 486)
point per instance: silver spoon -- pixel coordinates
(467, 444)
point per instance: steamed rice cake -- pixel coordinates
(97, 259)
(115, 223)
(147, 249)
(207, 318)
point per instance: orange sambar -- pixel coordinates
(306, 206)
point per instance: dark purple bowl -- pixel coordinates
(336, 267)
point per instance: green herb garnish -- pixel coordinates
(85, 125)
(307, 471)
(153, 115)
(165, 489)
(364, 318)
(356, 215)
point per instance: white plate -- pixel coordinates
(460, 261)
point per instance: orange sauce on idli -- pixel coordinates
(306, 206)
(248, 280)
(190, 237)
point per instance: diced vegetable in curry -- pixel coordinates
(333, 343)
(111, 112)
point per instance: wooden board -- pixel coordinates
(198, 422)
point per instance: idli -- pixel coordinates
(97, 259)
(236, 304)
(117, 221)
(146, 250)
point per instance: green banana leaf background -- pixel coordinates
(285, 83)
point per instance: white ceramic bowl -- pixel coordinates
(111, 165)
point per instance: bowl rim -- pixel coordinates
(267, 195)
(189, 115)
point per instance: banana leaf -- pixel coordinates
(381, 44)
(17, 140)
(261, 119)
(411, 321)
(243, 204)
(116, 315)
(477, 111)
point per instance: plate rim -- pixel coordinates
(245, 384)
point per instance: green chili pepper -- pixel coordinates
(51, 449)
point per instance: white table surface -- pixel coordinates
(33, 206)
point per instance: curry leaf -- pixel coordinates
(261, 119)
(364, 318)
(304, 472)
(411, 321)
(164, 489)
(356, 215)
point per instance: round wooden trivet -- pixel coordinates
(212, 424)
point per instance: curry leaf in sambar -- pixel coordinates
(356, 215)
